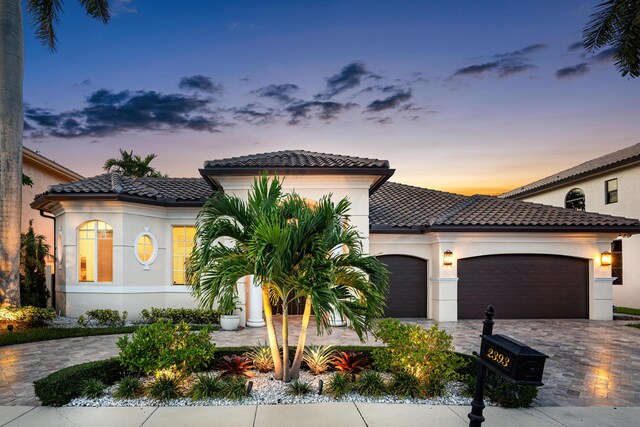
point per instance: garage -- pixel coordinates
(523, 286)
(407, 286)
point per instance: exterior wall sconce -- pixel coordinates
(447, 258)
(605, 258)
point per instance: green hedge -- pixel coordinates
(60, 387)
(33, 316)
(45, 334)
(197, 316)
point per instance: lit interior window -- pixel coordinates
(95, 252)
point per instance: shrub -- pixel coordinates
(33, 278)
(92, 388)
(370, 383)
(197, 316)
(339, 385)
(32, 316)
(236, 366)
(299, 388)
(261, 357)
(426, 354)
(207, 387)
(104, 317)
(162, 345)
(128, 388)
(165, 387)
(234, 388)
(406, 385)
(60, 387)
(351, 362)
(318, 358)
(503, 392)
(81, 321)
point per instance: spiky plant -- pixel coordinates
(371, 383)
(128, 388)
(339, 385)
(92, 388)
(299, 388)
(406, 385)
(261, 357)
(351, 362)
(318, 358)
(236, 366)
(235, 388)
(165, 387)
(206, 387)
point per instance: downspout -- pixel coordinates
(55, 261)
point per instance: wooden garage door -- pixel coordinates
(407, 286)
(523, 287)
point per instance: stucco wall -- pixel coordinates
(628, 205)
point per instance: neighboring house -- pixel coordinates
(124, 242)
(609, 185)
(43, 173)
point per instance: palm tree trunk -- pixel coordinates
(271, 333)
(11, 123)
(297, 360)
(285, 341)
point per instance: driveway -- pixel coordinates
(592, 363)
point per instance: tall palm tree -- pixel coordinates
(294, 251)
(44, 16)
(132, 165)
(616, 23)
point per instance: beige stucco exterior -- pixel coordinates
(628, 205)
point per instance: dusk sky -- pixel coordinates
(471, 97)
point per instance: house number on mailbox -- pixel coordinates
(498, 357)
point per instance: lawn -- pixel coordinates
(634, 325)
(627, 310)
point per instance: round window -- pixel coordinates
(146, 249)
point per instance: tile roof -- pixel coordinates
(399, 206)
(296, 159)
(600, 164)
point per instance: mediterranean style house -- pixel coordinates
(608, 185)
(122, 243)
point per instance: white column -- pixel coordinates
(601, 299)
(444, 299)
(255, 319)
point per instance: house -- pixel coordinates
(610, 185)
(124, 242)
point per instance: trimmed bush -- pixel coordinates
(103, 317)
(195, 316)
(60, 387)
(33, 317)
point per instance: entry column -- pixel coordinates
(255, 319)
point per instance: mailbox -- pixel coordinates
(511, 359)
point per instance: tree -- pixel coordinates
(616, 23)
(294, 251)
(132, 165)
(44, 15)
(33, 283)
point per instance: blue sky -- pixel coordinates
(460, 96)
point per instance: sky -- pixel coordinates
(463, 96)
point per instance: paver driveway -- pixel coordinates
(591, 362)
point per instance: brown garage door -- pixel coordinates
(407, 286)
(523, 286)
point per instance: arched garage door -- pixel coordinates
(523, 286)
(407, 286)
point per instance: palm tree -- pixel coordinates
(44, 17)
(616, 23)
(294, 251)
(132, 165)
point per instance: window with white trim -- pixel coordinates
(95, 252)
(182, 239)
(146, 248)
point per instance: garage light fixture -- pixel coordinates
(447, 258)
(605, 258)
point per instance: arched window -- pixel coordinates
(95, 252)
(575, 200)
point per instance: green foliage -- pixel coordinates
(318, 358)
(299, 388)
(261, 357)
(162, 345)
(235, 388)
(339, 385)
(235, 365)
(128, 388)
(165, 387)
(27, 181)
(32, 316)
(503, 392)
(426, 354)
(351, 362)
(207, 387)
(33, 278)
(81, 321)
(195, 316)
(406, 385)
(634, 325)
(371, 383)
(60, 387)
(627, 310)
(92, 388)
(45, 334)
(103, 317)
(132, 165)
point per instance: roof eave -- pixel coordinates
(40, 203)
(621, 229)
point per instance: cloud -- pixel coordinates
(255, 114)
(573, 71)
(575, 46)
(200, 83)
(109, 113)
(280, 92)
(324, 110)
(392, 101)
(503, 64)
(349, 77)
(605, 56)
(380, 120)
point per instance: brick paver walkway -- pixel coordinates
(591, 362)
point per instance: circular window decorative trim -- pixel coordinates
(154, 243)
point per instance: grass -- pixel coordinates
(627, 310)
(634, 325)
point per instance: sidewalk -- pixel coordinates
(312, 415)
